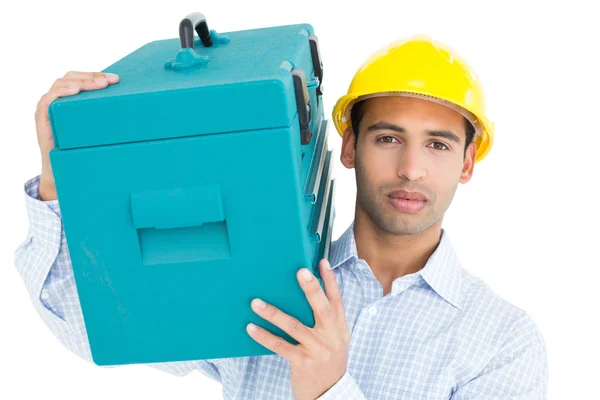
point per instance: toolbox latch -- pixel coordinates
(317, 62)
(303, 104)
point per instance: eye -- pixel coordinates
(379, 140)
(443, 144)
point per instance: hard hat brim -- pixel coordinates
(484, 130)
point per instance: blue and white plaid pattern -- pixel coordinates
(440, 334)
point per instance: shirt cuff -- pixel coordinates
(32, 189)
(345, 388)
(45, 219)
(36, 254)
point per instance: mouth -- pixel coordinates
(406, 205)
(408, 202)
(405, 195)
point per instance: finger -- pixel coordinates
(274, 343)
(91, 75)
(73, 83)
(290, 325)
(82, 83)
(322, 307)
(331, 287)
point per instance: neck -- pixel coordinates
(391, 256)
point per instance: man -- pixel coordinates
(399, 318)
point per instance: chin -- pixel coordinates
(398, 225)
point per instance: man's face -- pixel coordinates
(396, 151)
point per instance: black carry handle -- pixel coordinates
(194, 21)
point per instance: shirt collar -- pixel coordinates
(442, 272)
(344, 248)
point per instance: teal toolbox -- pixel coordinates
(198, 182)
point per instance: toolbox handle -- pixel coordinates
(177, 207)
(195, 21)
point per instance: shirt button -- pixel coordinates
(372, 310)
(44, 295)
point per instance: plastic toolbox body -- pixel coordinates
(187, 192)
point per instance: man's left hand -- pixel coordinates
(320, 358)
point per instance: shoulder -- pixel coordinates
(504, 343)
(500, 320)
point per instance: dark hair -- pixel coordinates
(358, 111)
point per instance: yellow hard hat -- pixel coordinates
(424, 68)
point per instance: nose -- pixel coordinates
(411, 164)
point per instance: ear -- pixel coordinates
(348, 153)
(469, 163)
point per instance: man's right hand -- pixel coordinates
(72, 83)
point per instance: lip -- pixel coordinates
(407, 206)
(403, 194)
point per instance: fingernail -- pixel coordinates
(306, 275)
(109, 75)
(326, 263)
(252, 327)
(259, 303)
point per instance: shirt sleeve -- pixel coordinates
(44, 264)
(518, 371)
(345, 388)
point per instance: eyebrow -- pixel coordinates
(433, 133)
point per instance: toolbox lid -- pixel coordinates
(245, 84)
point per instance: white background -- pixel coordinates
(527, 223)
